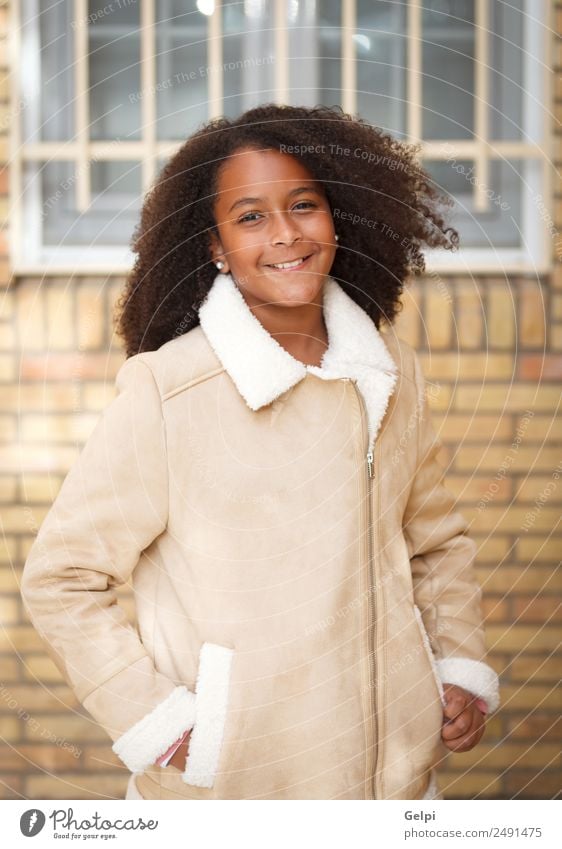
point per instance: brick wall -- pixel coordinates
(492, 350)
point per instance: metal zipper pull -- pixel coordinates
(370, 463)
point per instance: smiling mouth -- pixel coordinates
(289, 266)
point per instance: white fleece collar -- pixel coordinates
(262, 369)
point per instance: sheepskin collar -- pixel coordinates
(262, 369)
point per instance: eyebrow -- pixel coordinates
(297, 191)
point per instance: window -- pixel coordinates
(108, 89)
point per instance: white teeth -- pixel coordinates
(288, 264)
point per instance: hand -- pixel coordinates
(179, 756)
(463, 721)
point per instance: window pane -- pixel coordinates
(506, 76)
(116, 198)
(248, 55)
(329, 51)
(381, 51)
(114, 70)
(47, 58)
(499, 226)
(448, 69)
(181, 62)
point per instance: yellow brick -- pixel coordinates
(492, 548)
(60, 318)
(533, 320)
(504, 460)
(7, 337)
(9, 611)
(519, 579)
(9, 669)
(90, 316)
(40, 488)
(66, 726)
(407, 323)
(10, 729)
(19, 518)
(8, 548)
(468, 784)
(470, 489)
(538, 487)
(23, 458)
(534, 548)
(517, 519)
(471, 311)
(456, 427)
(539, 668)
(40, 667)
(7, 430)
(525, 696)
(500, 317)
(556, 337)
(7, 305)
(513, 398)
(31, 697)
(8, 487)
(557, 307)
(7, 367)
(448, 366)
(31, 316)
(522, 638)
(538, 428)
(57, 397)
(438, 315)
(9, 580)
(52, 428)
(20, 638)
(501, 755)
(76, 785)
(97, 396)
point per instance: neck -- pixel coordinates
(300, 330)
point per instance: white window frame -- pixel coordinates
(29, 256)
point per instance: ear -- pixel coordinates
(215, 247)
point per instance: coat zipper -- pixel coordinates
(370, 471)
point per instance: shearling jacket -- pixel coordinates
(303, 582)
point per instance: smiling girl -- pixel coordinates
(309, 621)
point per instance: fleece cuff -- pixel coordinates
(144, 742)
(473, 675)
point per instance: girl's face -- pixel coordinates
(270, 210)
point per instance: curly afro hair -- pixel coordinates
(384, 204)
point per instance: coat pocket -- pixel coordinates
(212, 690)
(430, 655)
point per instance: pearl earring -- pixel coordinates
(220, 265)
(337, 238)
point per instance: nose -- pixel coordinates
(284, 229)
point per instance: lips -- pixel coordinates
(290, 268)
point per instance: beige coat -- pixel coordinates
(303, 583)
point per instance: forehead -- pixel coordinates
(263, 171)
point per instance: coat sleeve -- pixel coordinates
(442, 557)
(112, 504)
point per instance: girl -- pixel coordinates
(309, 622)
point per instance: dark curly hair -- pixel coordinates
(385, 208)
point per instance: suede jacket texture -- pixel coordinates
(303, 582)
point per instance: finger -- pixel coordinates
(465, 743)
(458, 727)
(455, 706)
(467, 739)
